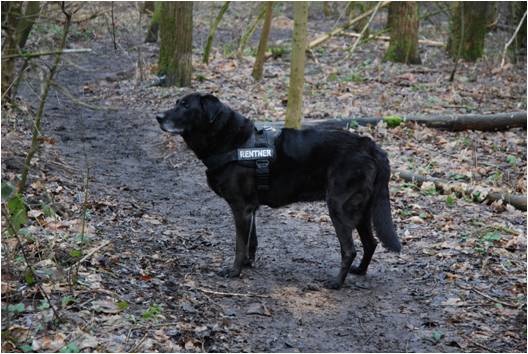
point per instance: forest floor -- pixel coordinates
(156, 234)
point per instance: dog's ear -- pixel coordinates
(211, 106)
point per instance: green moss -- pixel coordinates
(393, 121)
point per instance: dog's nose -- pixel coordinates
(159, 117)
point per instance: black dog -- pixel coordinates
(348, 171)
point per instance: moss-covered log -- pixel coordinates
(175, 59)
(403, 47)
(484, 122)
(467, 29)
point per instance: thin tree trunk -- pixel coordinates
(24, 26)
(403, 47)
(363, 6)
(153, 29)
(9, 48)
(44, 95)
(212, 32)
(251, 29)
(519, 44)
(295, 90)
(175, 60)
(258, 68)
(471, 17)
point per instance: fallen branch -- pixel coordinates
(327, 36)
(516, 200)
(427, 42)
(321, 39)
(41, 54)
(364, 30)
(452, 122)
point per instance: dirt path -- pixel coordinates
(170, 234)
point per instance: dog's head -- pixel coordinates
(192, 113)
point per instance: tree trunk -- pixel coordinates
(263, 43)
(10, 47)
(519, 43)
(467, 29)
(295, 90)
(24, 26)
(152, 32)
(212, 32)
(175, 60)
(403, 47)
(250, 30)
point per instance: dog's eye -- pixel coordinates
(185, 104)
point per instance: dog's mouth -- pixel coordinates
(169, 128)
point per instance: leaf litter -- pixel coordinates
(459, 284)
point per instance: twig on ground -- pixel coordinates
(489, 297)
(77, 101)
(221, 293)
(88, 255)
(479, 345)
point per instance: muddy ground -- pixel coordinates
(163, 235)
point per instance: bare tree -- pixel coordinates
(263, 43)
(468, 29)
(403, 24)
(175, 59)
(295, 90)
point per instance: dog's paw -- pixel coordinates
(357, 271)
(249, 262)
(333, 284)
(229, 272)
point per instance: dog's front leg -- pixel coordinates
(244, 224)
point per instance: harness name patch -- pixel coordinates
(255, 153)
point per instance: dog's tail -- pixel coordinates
(381, 210)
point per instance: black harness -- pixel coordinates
(257, 152)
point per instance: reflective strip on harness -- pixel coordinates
(254, 154)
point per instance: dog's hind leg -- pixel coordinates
(243, 225)
(369, 243)
(343, 226)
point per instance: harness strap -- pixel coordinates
(258, 157)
